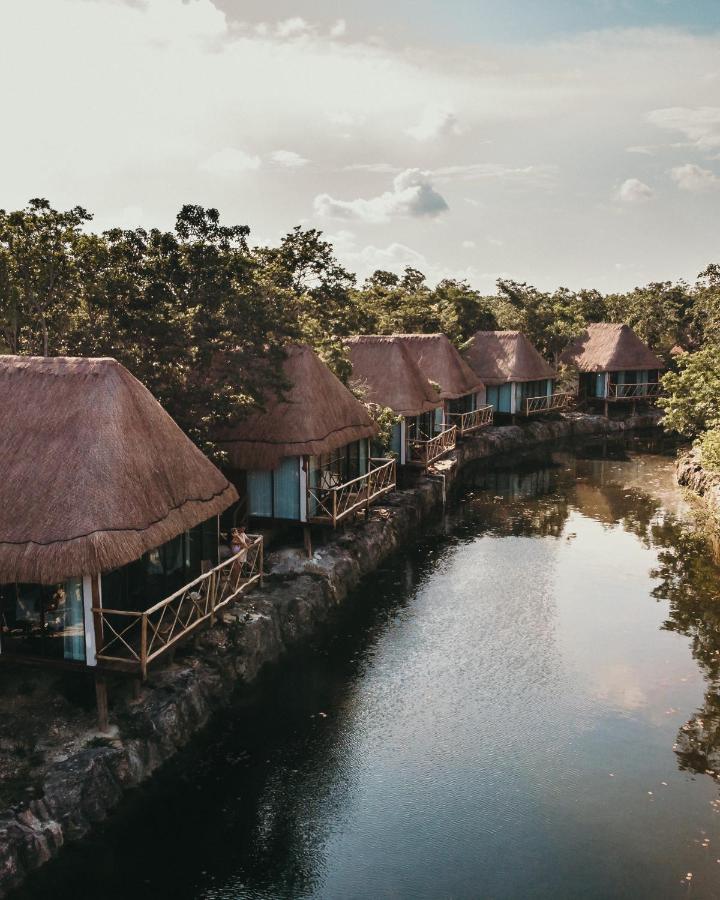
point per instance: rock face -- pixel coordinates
(690, 474)
(299, 595)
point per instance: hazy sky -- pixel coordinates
(556, 142)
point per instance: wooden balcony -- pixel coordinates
(423, 452)
(469, 422)
(546, 403)
(130, 640)
(643, 391)
(331, 504)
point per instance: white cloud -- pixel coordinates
(338, 29)
(289, 159)
(378, 168)
(293, 27)
(642, 149)
(138, 141)
(632, 190)
(468, 245)
(533, 174)
(693, 178)
(230, 161)
(395, 258)
(412, 195)
(700, 124)
(435, 123)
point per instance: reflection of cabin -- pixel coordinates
(110, 515)
(306, 457)
(462, 392)
(615, 366)
(385, 370)
(518, 381)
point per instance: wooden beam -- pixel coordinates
(101, 697)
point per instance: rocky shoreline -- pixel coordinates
(704, 484)
(81, 780)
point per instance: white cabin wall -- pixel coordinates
(90, 648)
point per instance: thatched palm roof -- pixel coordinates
(95, 472)
(501, 356)
(385, 369)
(439, 361)
(316, 415)
(608, 347)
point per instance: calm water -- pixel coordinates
(500, 715)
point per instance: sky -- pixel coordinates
(549, 141)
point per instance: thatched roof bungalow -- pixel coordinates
(518, 381)
(460, 389)
(386, 371)
(289, 459)
(613, 364)
(106, 503)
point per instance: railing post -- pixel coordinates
(211, 596)
(334, 508)
(143, 646)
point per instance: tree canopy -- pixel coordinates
(171, 304)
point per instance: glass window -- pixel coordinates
(396, 440)
(260, 493)
(287, 489)
(43, 620)
(504, 398)
(162, 571)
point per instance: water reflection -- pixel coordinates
(494, 716)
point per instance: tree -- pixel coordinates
(659, 313)
(316, 291)
(39, 275)
(550, 321)
(191, 315)
(692, 393)
(462, 311)
(399, 303)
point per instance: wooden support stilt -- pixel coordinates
(606, 409)
(137, 688)
(101, 697)
(307, 539)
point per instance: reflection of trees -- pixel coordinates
(698, 741)
(690, 582)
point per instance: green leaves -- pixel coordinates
(692, 401)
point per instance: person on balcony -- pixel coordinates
(239, 543)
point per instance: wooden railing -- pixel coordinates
(132, 639)
(330, 505)
(424, 452)
(633, 391)
(472, 421)
(546, 403)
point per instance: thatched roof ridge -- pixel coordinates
(609, 347)
(502, 356)
(317, 414)
(439, 361)
(95, 472)
(386, 370)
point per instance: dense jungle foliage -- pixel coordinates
(169, 304)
